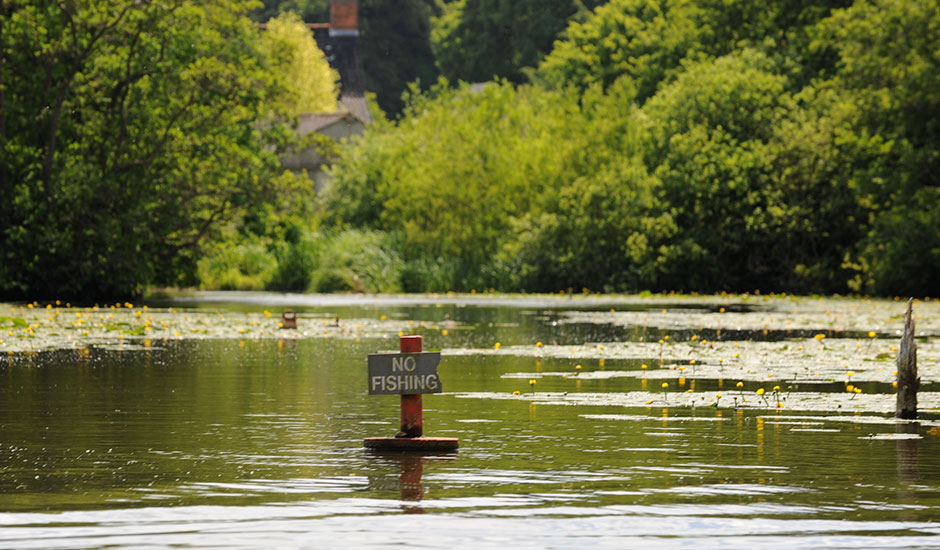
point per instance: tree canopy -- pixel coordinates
(786, 145)
(310, 84)
(714, 145)
(396, 48)
(129, 132)
(478, 40)
(888, 87)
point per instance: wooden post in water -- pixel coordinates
(908, 382)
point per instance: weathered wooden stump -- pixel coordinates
(908, 382)
(288, 319)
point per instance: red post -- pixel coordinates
(411, 421)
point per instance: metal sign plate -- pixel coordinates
(404, 373)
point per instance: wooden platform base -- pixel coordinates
(412, 444)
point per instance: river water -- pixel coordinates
(259, 444)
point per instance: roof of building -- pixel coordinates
(314, 122)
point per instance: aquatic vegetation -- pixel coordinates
(785, 316)
(760, 340)
(28, 328)
(880, 404)
(679, 343)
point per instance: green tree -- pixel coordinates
(889, 85)
(478, 40)
(714, 145)
(725, 139)
(783, 30)
(310, 83)
(450, 177)
(602, 228)
(396, 48)
(816, 169)
(646, 40)
(129, 132)
(308, 10)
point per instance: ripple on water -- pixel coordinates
(465, 523)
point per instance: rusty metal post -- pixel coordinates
(411, 413)
(908, 382)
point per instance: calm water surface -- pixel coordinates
(258, 444)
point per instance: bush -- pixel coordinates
(295, 264)
(431, 275)
(356, 260)
(243, 266)
(454, 172)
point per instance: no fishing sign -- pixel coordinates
(404, 373)
(408, 374)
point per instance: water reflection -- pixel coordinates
(409, 480)
(908, 450)
(407, 468)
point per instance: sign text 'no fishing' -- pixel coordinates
(404, 373)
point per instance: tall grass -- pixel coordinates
(246, 265)
(304, 260)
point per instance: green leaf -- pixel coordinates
(16, 322)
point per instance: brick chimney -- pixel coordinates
(344, 18)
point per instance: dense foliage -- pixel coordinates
(310, 83)
(308, 10)
(394, 41)
(708, 145)
(396, 48)
(478, 40)
(717, 145)
(130, 132)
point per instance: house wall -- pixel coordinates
(343, 127)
